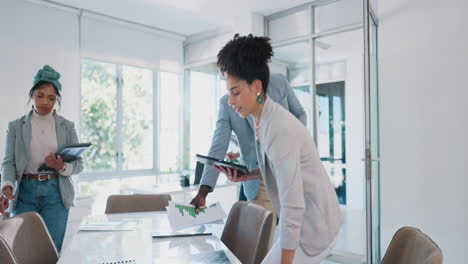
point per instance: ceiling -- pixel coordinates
(186, 17)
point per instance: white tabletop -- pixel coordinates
(172, 188)
(138, 245)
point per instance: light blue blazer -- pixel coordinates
(16, 158)
(297, 183)
(229, 121)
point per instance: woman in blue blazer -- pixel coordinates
(31, 141)
(295, 179)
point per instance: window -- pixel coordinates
(118, 117)
(137, 119)
(99, 114)
(170, 109)
(202, 113)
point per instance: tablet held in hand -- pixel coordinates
(68, 153)
(217, 162)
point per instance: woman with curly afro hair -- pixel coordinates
(295, 179)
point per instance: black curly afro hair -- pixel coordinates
(247, 58)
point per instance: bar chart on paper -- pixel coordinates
(183, 215)
(191, 210)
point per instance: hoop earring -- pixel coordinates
(259, 98)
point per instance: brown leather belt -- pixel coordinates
(42, 177)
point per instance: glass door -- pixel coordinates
(328, 51)
(339, 93)
(372, 135)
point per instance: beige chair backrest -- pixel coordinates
(137, 203)
(6, 254)
(411, 246)
(27, 236)
(248, 232)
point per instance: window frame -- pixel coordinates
(119, 172)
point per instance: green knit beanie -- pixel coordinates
(47, 75)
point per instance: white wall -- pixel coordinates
(423, 81)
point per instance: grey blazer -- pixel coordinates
(17, 154)
(228, 121)
(297, 183)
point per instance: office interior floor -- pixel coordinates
(351, 245)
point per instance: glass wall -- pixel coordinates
(290, 61)
(325, 67)
(375, 132)
(340, 94)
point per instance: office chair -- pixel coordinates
(6, 254)
(411, 246)
(248, 232)
(137, 203)
(27, 236)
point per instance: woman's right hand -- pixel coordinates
(6, 195)
(200, 199)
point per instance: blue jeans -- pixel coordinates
(43, 197)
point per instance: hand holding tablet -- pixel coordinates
(233, 171)
(221, 163)
(68, 153)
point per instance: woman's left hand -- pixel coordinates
(54, 162)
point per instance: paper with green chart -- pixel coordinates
(183, 215)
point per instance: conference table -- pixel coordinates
(139, 246)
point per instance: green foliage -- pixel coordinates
(99, 114)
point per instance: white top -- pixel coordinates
(43, 140)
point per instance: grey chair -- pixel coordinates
(27, 236)
(6, 254)
(137, 203)
(248, 232)
(411, 246)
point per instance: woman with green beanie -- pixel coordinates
(31, 141)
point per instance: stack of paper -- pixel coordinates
(184, 215)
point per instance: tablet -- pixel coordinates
(72, 152)
(217, 162)
(67, 153)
